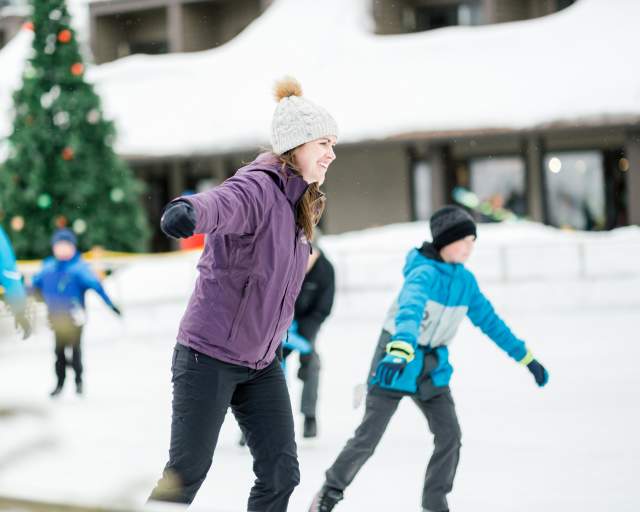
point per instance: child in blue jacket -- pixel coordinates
(63, 282)
(412, 358)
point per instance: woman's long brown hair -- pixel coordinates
(311, 204)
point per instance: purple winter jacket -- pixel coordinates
(252, 266)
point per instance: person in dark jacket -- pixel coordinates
(11, 283)
(313, 306)
(62, 283)
(412, 358)
(257, 226)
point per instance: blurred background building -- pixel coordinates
(581, 174)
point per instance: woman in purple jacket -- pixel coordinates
(258, 224)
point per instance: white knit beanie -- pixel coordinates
(297, 120)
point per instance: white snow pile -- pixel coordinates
(544, 262)
(569, 67)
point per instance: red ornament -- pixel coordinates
(28, 25)
(77, 69)
(67, 153)
(61, 221)
(64, 36)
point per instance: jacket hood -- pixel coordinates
(291, 184)
(427, 256)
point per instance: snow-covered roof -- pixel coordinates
(573, 67)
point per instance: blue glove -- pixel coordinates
(539, 372)
(399, 353)
(296, 342)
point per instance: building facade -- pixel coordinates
(124, 27)
(574, 175)
(12, 15)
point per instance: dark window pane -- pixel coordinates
(500, 181)
(574, 183)
(149, 47)
(437, 16)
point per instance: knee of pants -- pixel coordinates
(450, 438)
(286, 475)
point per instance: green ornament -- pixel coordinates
(44, 201)
(79, 226)
(117, 195)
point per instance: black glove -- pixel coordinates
(539, 372)
(23, 323)
(116, 310)
(178, 220)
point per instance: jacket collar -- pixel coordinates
(428, 251)
(290, 183)
(61, 264)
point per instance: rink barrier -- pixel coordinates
(501, 263)
(599, 266)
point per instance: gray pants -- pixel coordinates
(441, 416)
(309, 374)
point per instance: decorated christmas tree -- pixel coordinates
(62, 169)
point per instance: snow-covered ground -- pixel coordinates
(570, 446)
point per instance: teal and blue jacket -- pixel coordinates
(10, 278)
(434, 299)
(63, 284)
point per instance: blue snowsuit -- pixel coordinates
(63, 285)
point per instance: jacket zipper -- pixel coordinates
(286, 289)
(244, 299)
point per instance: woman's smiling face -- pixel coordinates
(314, 158)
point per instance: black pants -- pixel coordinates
(440, 414)
(67, 335)
(203, 390)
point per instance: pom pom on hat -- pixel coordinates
(286, 87)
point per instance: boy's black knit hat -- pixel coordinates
(450, 224)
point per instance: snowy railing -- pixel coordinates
(161, 279)
(502, 264)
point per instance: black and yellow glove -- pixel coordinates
(399, 354)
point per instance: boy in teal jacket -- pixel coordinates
(412, 358)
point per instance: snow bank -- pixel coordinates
(539, 260)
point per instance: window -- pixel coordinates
(563, 4)
(147, 47)
(444, 14)
(422, 207)
(574, 186)
(500, 181)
